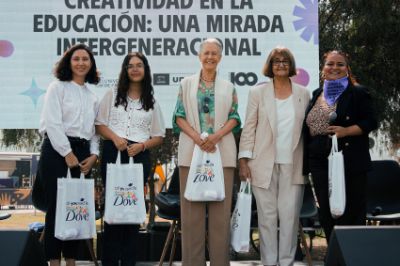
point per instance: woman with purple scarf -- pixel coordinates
(344, 108)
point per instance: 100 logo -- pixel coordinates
(243, 78)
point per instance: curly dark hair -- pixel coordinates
(63, 72)
(346, 57)
(146, 97)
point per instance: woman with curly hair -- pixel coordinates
(342, 107)
(67, 125)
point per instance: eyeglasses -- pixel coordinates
(206, 101)
(138, 66)
(278, 62)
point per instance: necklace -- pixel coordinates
(207, 80)
(212, 79)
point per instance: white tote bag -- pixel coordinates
(124, 193)
(241, 218)
(337, 187)
(75, 211)
(205, 180)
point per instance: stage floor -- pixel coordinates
(233, 263)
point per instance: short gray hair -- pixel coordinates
(213, 41)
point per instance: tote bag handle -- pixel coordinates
(82, 176)
(68, 173)
(119, 157)
(335, 147)
(245, 186)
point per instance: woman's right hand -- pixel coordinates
(198, 141)
(210, 143)
(244, 169)
(71, 160)
(120, 143)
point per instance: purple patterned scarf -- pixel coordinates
(334, 88)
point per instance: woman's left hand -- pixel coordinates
(134, 149)
(244, 169)
(339, 131)
(209, 144)
(87, 164)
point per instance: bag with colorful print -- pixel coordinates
(205, 181)
(124, 193)
(75, 211)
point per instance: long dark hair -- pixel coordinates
(146, 97)
(346, 57)
(63, 71)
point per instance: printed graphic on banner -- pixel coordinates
(36, 33)
(164, 79)
(6, 48)
(244, 79)
(161, 79)
(125, 196)
(308, 21)
(13, 196)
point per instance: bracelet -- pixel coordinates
(144, 147)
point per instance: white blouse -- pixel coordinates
(134, 123)
(285, 123)
(69, 110)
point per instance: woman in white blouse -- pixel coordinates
(271, 155)
(130, 121)
(67, 125)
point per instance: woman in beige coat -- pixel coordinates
(271, 155)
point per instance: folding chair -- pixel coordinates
(308, 212)
(383, 193)
(168, 204)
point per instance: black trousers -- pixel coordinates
(120, 241)
(52, 166)
(355, 182)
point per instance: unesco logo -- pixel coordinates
(165, 79)
(161, 79)
(243, 78)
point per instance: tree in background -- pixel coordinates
(370, 32)
(21, 139)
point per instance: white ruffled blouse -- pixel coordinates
(134, 123)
